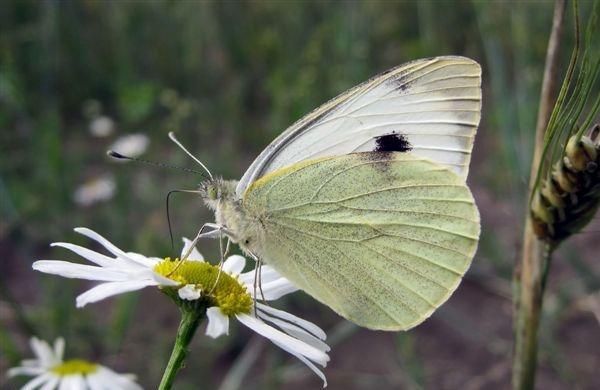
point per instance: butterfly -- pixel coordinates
(363, 203)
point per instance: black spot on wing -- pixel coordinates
(400, 82)
(393, 142)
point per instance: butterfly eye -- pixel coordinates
(212, 192)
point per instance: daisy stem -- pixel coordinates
(190, 320)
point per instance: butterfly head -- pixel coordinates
(215, 191)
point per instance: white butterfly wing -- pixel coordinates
(434, 104)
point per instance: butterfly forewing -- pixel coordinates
(434, 104)
(382, 238)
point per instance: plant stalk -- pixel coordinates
(535, 257)
(190, 320)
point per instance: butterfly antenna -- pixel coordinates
(169, 213)
(174, 139)
(119, 156)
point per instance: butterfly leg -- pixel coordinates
(257, 279)
(262, 294)
(218, 229)
(256, 268)
(221, 261)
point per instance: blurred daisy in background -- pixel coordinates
(96, 190)
(223, 292)
(132, 145)
(50, 371)
(102, 126)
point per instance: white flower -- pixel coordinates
(299, 337)
(96, 190)
(123, 273)
(102, 126)
(229, 292)
(131, 145)
(51, 372)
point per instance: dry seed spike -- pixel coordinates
(594, 133)
(567, 199)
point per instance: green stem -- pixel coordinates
(529, 308)
(190, 320)
(535, 256)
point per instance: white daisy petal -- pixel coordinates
(114, 380)
(302, 323)
(59, 348)
(79, 271)
(275, 335)
(267, 274)
(194, 254)
(43, 352)
(304, 360)
(24, 371)
(218, 323)
(64, 384)
(234, 264)
(94, 257)
(37, 382)
(72, 382)
(95, 382)
(78, 382)
(295, 331)
(163, 281)
(274, 290)
(189, 292)
(146, 262)
(51, 384)
(104, 242)
(109, 289)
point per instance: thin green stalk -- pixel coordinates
(536, 253)
(190, 320)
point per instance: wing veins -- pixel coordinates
(371, 225)
(358, 196)
(405, 212)
(387, 313)
(369, 88)
(453, 271)
(355, 166)
(469, 201)
(443, 122)
(409, 270)
(387, 288)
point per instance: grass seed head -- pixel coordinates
(569, 196)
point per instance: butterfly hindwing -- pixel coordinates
(383, 238)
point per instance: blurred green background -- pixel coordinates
(228, 77)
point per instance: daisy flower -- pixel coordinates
(50, 371)
(99, 189)
(132, 145)
(102, 126)
(225, 293)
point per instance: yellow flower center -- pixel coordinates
(224, 290)
(74, 367)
